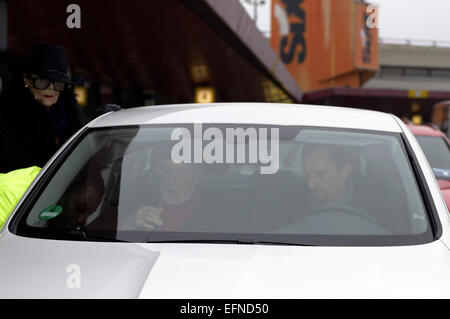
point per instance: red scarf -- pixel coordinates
(174, 216)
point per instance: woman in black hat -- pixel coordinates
(38, 110)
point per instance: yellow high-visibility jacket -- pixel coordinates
(12, 186)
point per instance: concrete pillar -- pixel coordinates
(3, 25)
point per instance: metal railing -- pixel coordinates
(415, 42)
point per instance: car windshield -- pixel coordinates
(230, 183)
(438, 155)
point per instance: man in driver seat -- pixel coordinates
(330, 170)
(335, 204)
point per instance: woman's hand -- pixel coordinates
(149, 217)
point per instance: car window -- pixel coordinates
(437, 152)
(301, 185)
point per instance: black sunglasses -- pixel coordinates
(42, 84)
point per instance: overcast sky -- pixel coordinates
(403, 19)
(414, 19)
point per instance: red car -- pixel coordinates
(436, 147)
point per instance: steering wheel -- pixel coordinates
(341, 208)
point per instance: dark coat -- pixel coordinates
(29, 133)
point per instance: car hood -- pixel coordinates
(35, 268)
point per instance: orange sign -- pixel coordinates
(317, 42)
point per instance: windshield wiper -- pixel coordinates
(238, 241)
(82, 235)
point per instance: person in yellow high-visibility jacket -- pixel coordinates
(12, 186)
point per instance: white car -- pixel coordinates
(238, 200)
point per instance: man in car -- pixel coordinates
(330, 171)
(335, 205)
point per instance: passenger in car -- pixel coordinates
(80, 200)
(173, 203)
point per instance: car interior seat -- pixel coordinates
(276, 200)
(382, 192)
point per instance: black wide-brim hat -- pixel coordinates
(48, 61)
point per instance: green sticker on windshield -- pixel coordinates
(50, 212)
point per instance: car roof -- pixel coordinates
(252, 113)
(424, 130)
